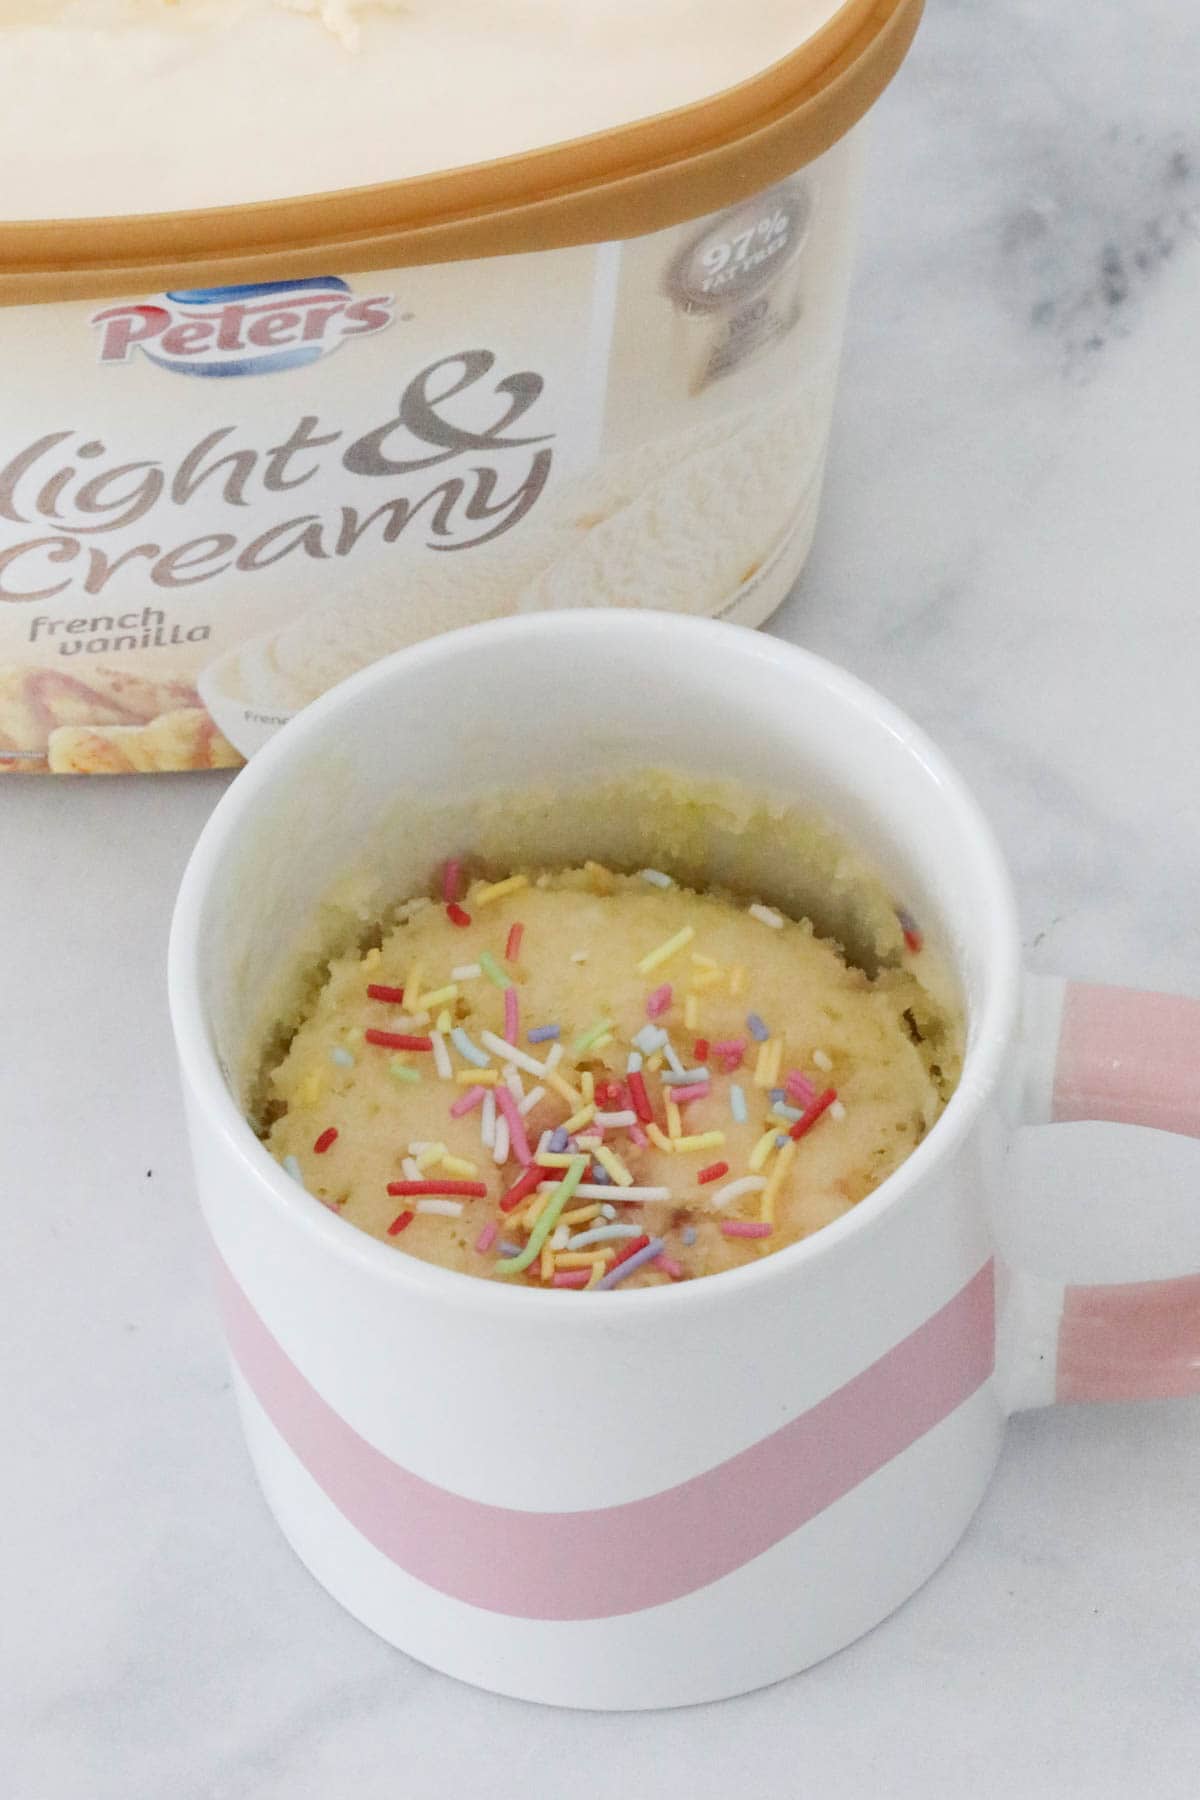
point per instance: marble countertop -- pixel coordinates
(1009, 548)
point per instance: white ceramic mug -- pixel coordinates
(667, 1495)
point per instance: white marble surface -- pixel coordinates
(1010, 548)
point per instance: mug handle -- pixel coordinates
(1128, 1057)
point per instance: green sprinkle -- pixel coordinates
(547, 1220)
(492, 969)
(589, 1037)
(402, 1072)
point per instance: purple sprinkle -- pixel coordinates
(507, 1249)
(646, 1254)
(758, 1031)
(601, 1175)
(778, 1094)
(543, 1033)
(558, 1141)
(780, 1140)
(688, 1234)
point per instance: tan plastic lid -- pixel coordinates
(619, 183)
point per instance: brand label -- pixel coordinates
(260, 328)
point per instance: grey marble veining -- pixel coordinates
(1009, 547)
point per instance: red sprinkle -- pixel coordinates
(524, 1186)
(512, 948)
(701, 1050)
(400, 1222)
(327, 1137)
(456, 915)
(913, 938)
(811, 1114)
(639, 1096)
(630, 1249)
(713, 1171)
(470, 1190)
(397, 1040)
(451, 879)
(377, 991)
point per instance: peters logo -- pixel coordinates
(259, 329)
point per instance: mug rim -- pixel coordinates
(989, 1038)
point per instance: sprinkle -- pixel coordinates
(341, 1057)
(554, 1056)
(737, 980)
(466, 972)
(612, 1164)
(509, 1053)
(413, 985)
(500, 1147)
(460, 1165)
(483, 1078)
(547, 1261)
(587, 1038)
(730, 1050)
(685, 1077)
(292, 1165)
(664, 951)
(658, 1136)
(637, 1136)
(487, 1119)
(634, 1196)
(512, 884)
(777, 1095)
(457, 916)
(700, 1050)
(571, 1095)
(309, 1091)
(542, 1034)
(659, 1001)
(656, 878)
(462, 1043)
(493, 971)
(766, 1067)
(557, 1139)
(428, 1155)
(822, 1060)
(451, 879)
(633, 1062)
(516, 1130)
(444, 1022)
(745, 1228)
(512, 945)
(670, 1267)
(511, 1019)
(584, 1116)
(509, 1249)
(758, 1031)
(913, 936)
(393, 995)
(522, 1188)
(799, 1086)
(630, 1259)
(327, 1137)
(672, 1056)
(713, 1172)
(780, 1139)
(583, 1260)
(411, 1171)
(580, 1215)
(649, 1039)
(781, 1110)
(837, 1111)
(528, 1101)
(674, 1120)
(691, 1012)
(766, 915)
(778, 1175)
(402, 1072)
(396, 1040)
(549, 1218)
(401, 1223)
(603, 1234)
(757, 1159)
(697, 1090)
(570, 1278)
(448, 1209)
(700, 1140)
(811, 1114)
(487, 1236)
(688, 1235)
(441, 997)
(616, 1121)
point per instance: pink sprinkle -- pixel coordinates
(451, 880)
(699, 1090)
(637, 1136)
(800, 1087)
(745, 1228)
(669, 1265)
(575, 1278)
(730, 1047)
(467, 1102)
(487, 1236)
(510, 1014)
(518, 1143)
(658, 1002)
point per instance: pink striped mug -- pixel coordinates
(639, 1499)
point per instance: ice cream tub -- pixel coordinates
(252, 443)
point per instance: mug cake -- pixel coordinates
(581, 1078)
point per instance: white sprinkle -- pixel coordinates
(509, 1053)
(512, 1082)
(669, 1052)
(608, 1211)
(526, 1106)
(656, 878)
(466, 972)
(733, 1190)
(737, 1102)
(554, 1057)
(449, 1209)
(561, 1238)
(837, 1110)
(487, 1119)
(292, 1165)
(341, 1057)
(766, 915)
(614, 1121)
(500, 1149)
(633, 1062)
(579, 956)
(602, 1234)
(594, 1191)
(685, 1077)
(822, 1061)
(441, 1057)
(411, 1171)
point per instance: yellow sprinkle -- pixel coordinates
(674, 1120)
(655, 958)
(691, 1011)
(429, 1159)
(529, 1214)
(460, 1165)
(655, 1063)
(412, 987)
(702, 1140)
(372, 958)
(581, 1215)
(766, 1068)
(737, 979)
(445, 1023)
(599, 1269)
(602, 1043)
(587, 1084)
(552, 1159)
(757, 1160)
(702, 962)
(584, 1116)
(441, 998)
(587, 1141)
(658, 1136)
(497, 889)
(309, 1091)
(581, 1259)
(548, 1260)
(705, 979)
(775, 1181)
(608, 1159)
(571, 1095)
(477, 1077)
